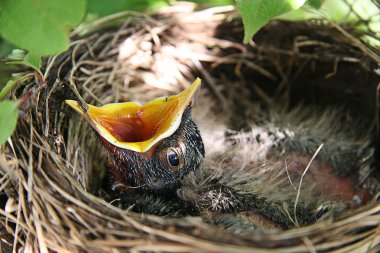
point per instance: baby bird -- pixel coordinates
(288, 168)
(291, 168)
(150, 147)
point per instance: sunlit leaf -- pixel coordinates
(256, 13)
(40, 26)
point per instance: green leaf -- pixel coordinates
(33, 61)
(10, 84)
(40, 26)
(315, 3)
(30, 59)
(8, 119)
(256, 13)
(102, 7)
(212, 3)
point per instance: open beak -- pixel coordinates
(134, 127)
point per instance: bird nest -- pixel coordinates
(53, 164)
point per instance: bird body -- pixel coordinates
(289, 167)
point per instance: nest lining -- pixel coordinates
(53, 158)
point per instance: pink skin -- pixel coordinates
(345, 189)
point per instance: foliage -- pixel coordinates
(256, 13)
(211, 3)
(5, 48)
(8, 109)
(40, 26)
(28, 59)
(8, 119)
(99, 8)
(315, 3)
(4, 91)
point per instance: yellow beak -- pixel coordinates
(135, 127)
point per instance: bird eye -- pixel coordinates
(173, 158)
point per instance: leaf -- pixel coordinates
(33, 61)
(40, 26)
(315, 3)
(30, 59)
(212, 3)
(8, 119)
(10, 84)
(5, 48)
(103, 8)
(17, 55)
(256, 13)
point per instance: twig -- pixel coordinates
(301, 180)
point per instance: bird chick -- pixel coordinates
(150, 147)
(268, 178)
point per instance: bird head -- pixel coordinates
(151, 147)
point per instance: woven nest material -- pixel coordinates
(53, 164)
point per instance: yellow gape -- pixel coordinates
(134, 127)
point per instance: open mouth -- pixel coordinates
(135, 127)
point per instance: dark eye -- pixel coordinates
(173, 158)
